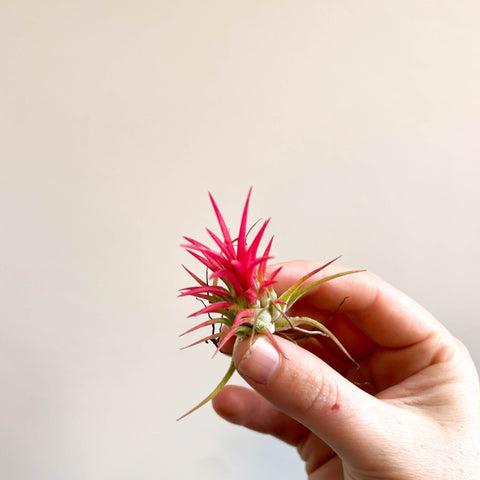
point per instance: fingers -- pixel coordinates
(245, 407)
(305, 388)
(384, 314)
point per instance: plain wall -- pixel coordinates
(356, 123)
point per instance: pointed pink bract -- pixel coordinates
(237, 277)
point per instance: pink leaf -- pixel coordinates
(221, 245)
(210, 337)
(214, 307)
(243, 229)
(271, 337)
(228, 335)
(207, 289)
(223, 227)
(252, 251)
(200, 281)
(200, 325)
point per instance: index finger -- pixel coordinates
(386, 315)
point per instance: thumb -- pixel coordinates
(304, 387)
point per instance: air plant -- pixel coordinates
(238, 295)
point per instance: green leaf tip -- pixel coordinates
(297, 291)
(223, 382)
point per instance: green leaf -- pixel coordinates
(299, 292)
(223, 382)
(322, 330)
(286, 295)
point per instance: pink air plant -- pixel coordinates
(238, 295)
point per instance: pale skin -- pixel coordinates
(411, 410)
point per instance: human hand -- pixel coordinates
(410, 411)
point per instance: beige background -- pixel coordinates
(357, 123)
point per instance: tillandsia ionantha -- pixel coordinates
(238, 294)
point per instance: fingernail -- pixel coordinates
(260, 362)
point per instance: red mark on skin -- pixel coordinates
(336, 406)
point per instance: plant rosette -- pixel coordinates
(238, 294)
